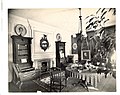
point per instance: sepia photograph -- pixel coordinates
(62, 50)
(85, 55)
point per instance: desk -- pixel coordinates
(91, 78)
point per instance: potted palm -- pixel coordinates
(97, 23)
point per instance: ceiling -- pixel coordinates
(63, 18)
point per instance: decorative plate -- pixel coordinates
(58, 37)
(20, 30)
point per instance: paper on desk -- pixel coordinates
(23, 60)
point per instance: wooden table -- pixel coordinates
(91, 78)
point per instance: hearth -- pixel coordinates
(43, 64)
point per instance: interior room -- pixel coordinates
(62, 50)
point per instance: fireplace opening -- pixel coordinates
(44, 66)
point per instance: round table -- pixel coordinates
(90, 77)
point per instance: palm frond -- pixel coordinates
(91, 19)
(106, 20)
(87, 17)
(95, 21)
(110, 9)
(89, 25)
(114, 13)
(103, 10)
(95, 26)
(87, 22)
(114, 10)
(98, 10)
(102, 18)
(90, 16)
(103, 14)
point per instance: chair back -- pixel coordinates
(57, 79)
(55, 72)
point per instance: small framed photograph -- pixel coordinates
(85, 55)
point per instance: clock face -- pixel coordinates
(74, 46)
(58, 37)
(20, 30)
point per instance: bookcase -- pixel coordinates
(22, 51)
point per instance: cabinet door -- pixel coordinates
(23, 53)
(21, 49)
(60, 53)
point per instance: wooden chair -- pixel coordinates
(22, 73)
(57, 79)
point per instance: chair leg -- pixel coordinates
(51, 84)
(65, 82)
(84, 84)
(18, 82)
(60, 86)
(20, 86)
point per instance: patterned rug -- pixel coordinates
(47, 79)
(44, 83)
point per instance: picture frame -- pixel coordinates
(86, 55)
(38, 35)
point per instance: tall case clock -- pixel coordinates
(60, 53)
(74, 45)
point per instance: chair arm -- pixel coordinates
(30, 75)
(15, 69)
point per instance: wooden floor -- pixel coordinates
(106, 85)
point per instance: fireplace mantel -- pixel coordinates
(41, 63)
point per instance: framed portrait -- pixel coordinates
(85, 55)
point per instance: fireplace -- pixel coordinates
(43, 64)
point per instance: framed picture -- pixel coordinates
(85, 55)
(43, 42)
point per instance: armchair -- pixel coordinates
(23, 73)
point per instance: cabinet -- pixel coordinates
(23, 71)
(22, 51)
(60, 53)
